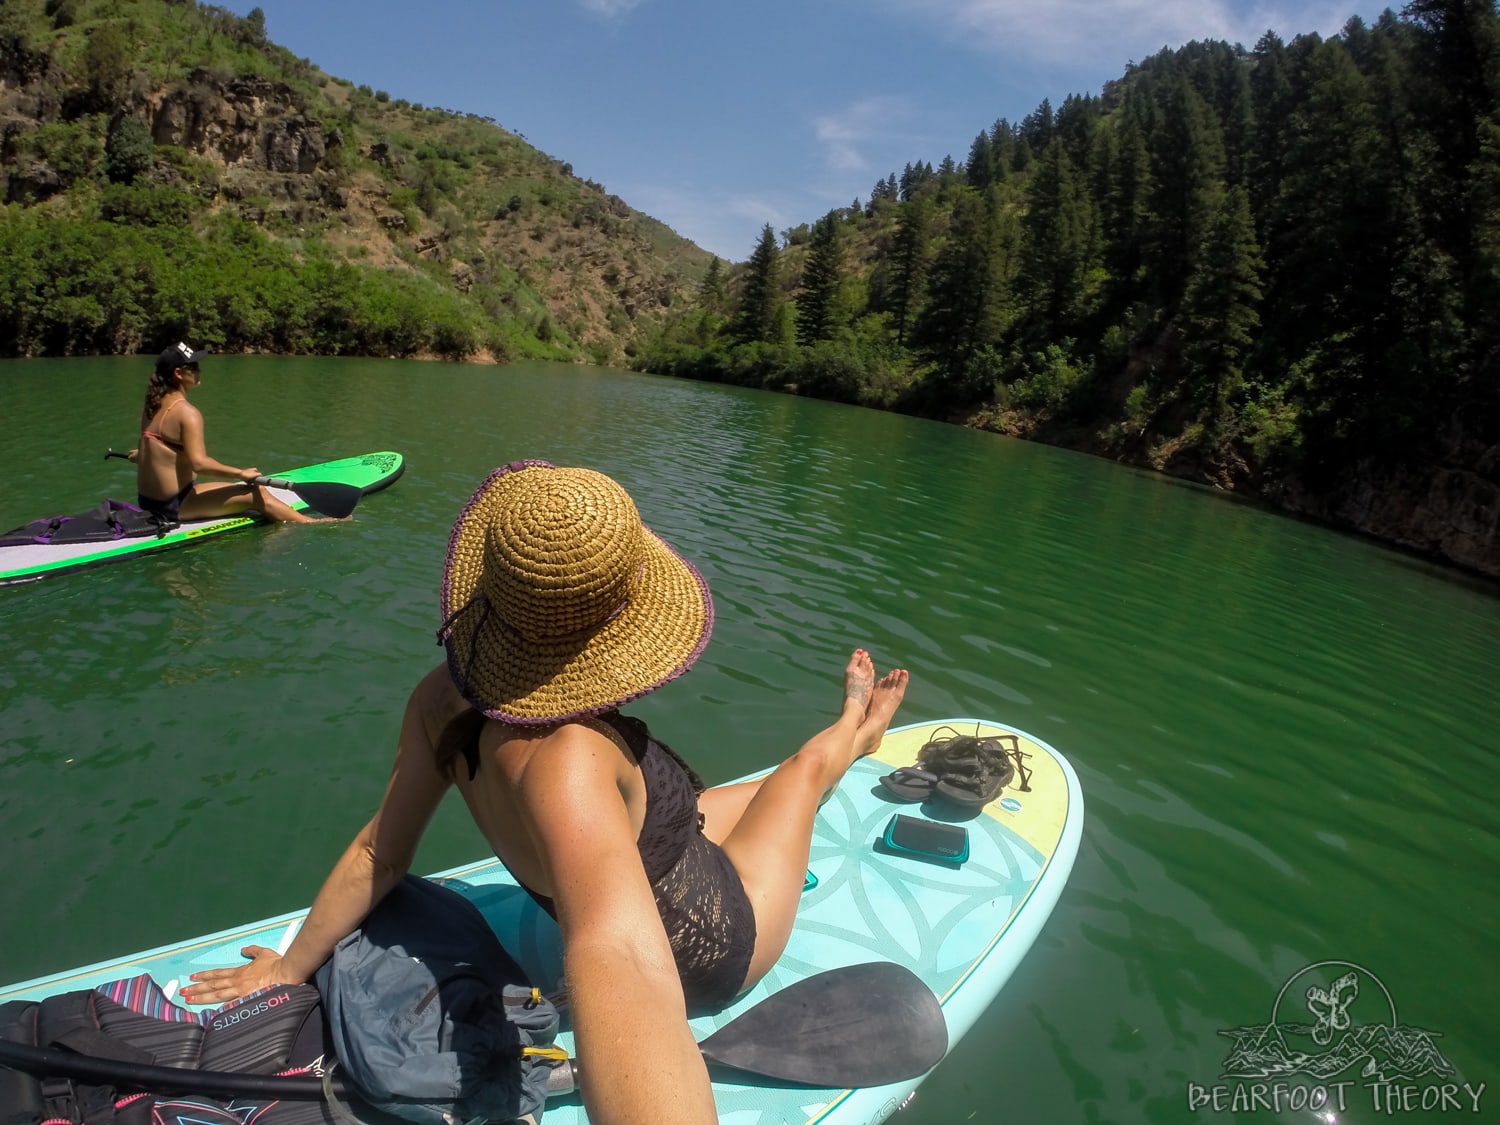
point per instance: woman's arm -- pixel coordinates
(191, 422)
(616, 959)
(372, 864)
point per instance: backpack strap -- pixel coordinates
(67, 1021)
(70, 1020)
(21, 1100)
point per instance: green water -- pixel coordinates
(1286, 738)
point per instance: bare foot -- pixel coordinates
(885, 697)
(859, 680)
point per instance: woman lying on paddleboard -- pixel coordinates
(172, 454)
(559, 605)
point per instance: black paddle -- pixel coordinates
(863, 1025)
(329, 497)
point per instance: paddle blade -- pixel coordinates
(863, 1025)
(328, 497)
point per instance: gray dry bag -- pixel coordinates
(431, 1018)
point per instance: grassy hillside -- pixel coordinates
(168, 170)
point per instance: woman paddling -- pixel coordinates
(559, 606)
(172, 454)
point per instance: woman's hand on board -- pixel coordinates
(216, 986)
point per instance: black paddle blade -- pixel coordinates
(863, 1025)
(336, 500)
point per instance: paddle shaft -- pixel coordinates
(49, 1062)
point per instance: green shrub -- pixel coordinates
(72, 148)
(146, 205)
(1051, 382)
(128, 149)
(64, 13)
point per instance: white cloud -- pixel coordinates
(1085, 31)
(609, 8)
(846, 134)
(760, 211)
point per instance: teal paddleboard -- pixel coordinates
(962, 929)
(27, 562)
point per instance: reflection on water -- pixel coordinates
(1286, 737)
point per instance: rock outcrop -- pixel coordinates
(1441, 510)
(247, 121)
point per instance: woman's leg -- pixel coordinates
(210, 501)
(724, 805)
(765, 827)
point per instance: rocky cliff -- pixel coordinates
(1448, 511)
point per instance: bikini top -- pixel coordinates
(157, 435)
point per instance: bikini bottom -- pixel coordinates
(167, 509)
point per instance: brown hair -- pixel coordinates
(157, 389)
(460, 738)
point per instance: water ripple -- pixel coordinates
(1286, 738)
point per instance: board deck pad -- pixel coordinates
(961, 930)
(368, 472)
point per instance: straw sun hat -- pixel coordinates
(558, 602)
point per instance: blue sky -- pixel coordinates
(718, 116)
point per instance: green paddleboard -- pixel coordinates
(27, 562)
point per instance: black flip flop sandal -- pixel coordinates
(910, 783)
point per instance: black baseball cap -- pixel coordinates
(178, 355)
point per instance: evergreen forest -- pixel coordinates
(1266, 269)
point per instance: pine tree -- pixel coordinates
(908, 264)
(1238, 122)
(1320, 239)
(1362, 295)
(756, 319)
(1459, 51)
(1002, 148)
(968, 294)
(712, 296)
(820, 283)
(979, 169)
(1187, 166)
(1074, 125)
(1036, 128)
(1272, 102)
(1220, 309)
(1125, 200)
(1059, 258)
